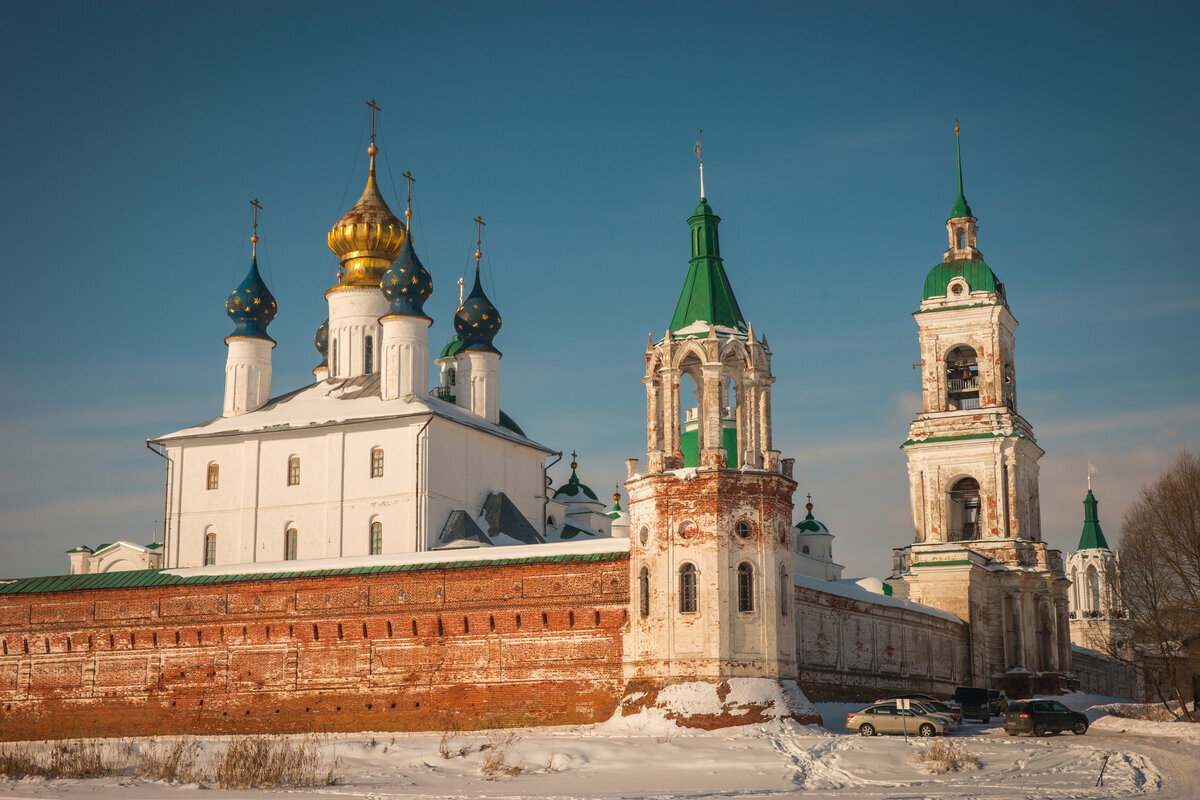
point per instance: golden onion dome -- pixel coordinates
(369, 237)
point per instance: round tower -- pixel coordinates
(1097, 619)
(477, 362)
(405, 367)
(248, 359)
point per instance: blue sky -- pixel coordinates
(136, 134)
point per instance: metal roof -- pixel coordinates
(158, 577)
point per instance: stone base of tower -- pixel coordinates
(1013, 595)
(710, 705)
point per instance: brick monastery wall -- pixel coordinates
(529, 644)
(852, 650)
(469, 647)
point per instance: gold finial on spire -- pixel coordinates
(408, 199)
(574, 463)
(254, 236)
(460, 292)
(700, 155)
(956, 126)
(479, 223)
(809, 506)
(617, 493)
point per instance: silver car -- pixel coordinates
(886, 718)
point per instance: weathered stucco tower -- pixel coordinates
(973, 476)
(1097, 620)
(710, 550)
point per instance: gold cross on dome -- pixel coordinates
(254, 235)
(408, 199)
(374, 110)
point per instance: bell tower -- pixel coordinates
(973, 475)
(710, 545)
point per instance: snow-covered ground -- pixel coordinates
(650, 757)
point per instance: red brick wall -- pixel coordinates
(469, 647)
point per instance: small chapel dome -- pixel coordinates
(810, 525)
(407, 284)
(573, 491)
(477, 322)
(452, 347)
(321, 340)
(251, 306)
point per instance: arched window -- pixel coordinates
(214, 475)
(453, 376)
(964, 510)
(962, 379)
(804, 549)
(369, 355)
(376, 538)
(742, 529)
(294, 471)
(785, 597)
(745, 587)
(1093, 589)
(687, 589)
(644, 592)
(289, 545)
(377, 462)
(210, 549)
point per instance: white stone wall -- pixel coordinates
(354, 314)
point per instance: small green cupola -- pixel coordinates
(707, 296)
(575, 491)
(1092, 537)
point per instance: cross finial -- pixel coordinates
(460, 292)
(374, 110)
(254, 236)
(408, 199)
(956, 126)
(700, 156)
(1091, 472)
(479, 223)
(574, 463)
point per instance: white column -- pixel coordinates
(247, 374)
(405, 356)
(479, 391)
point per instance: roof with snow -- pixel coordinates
(339, 402)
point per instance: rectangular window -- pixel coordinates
(210, 549)
(377, 462)
(214, 476)
(293, 471)
(290, 545)
(376, 538)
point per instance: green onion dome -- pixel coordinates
(452, 347)
(810, 525)
(321, 340)
(407, 284)
(573, 491)
(477, 322)
(251, 306)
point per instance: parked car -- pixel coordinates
(886, 718)
(924, 704)
(1040, 717)
(973, 702)
(997, 701)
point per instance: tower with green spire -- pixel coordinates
(1098, 621)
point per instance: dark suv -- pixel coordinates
(1040, 717)
(973, 702)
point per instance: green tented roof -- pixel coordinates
(707, 295)
(975, 272)
(158, 577)
(1092, 537)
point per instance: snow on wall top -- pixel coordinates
(515, 552)
(856, 592)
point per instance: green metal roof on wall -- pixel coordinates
(1092, 537)
(707, 295)
(158, 577)
(975, 272)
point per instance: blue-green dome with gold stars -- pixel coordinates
(251, 306)
(321, 340)
(477, 322)
(407, 284)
